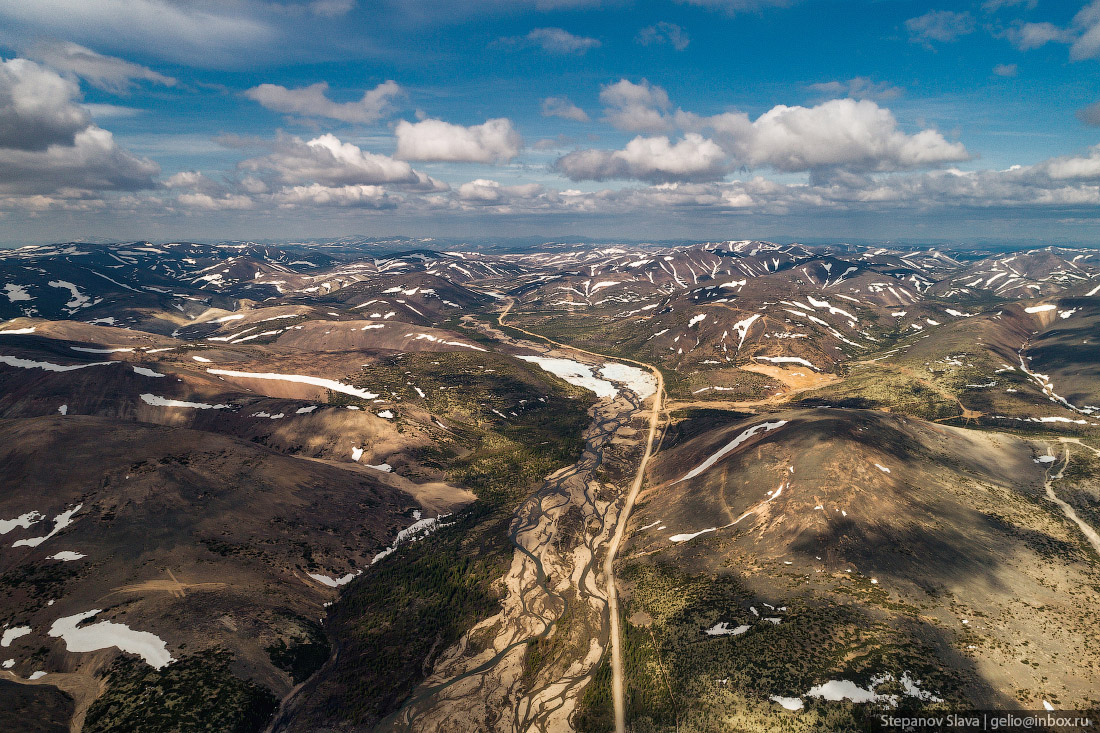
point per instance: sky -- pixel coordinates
(813, 120)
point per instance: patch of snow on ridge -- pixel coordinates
(786, 360)
(742, 328)
(114, 350)
(47, 366)
(731, 446)
(78, 299)
(14, 633)
(66, 556)
(422, 527)
(686, 537)
(24, 520)
(1040, 308)
(331, 384)
(60, 522)
(106, 634)
(789, 703)
(836, 690)
(17, 292)
(722, 628)
(157, 401)
(334, 582)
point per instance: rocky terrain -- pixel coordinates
(396, 485)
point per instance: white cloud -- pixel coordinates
(663, 32)
(1005, 69)
(328, 161)
(203, 32)
(481, 191)
(636, 107)
(312, 101)
(1026, 36)
(562, 107)
(991, 6)
(48, 143)
(1073, 167)
(105, 72)
(738, 6)
(860, 87)
(1090, 115)
(649, 159)
(1082, 34)
(331, 8)
(365, 197)
(92, 163)
(206, 202)
(38, 107)
(1087, 25)
(559, 40)
(494, 140)
(251, 184)
(186, 179)
(939, 25)
(101, 111)
(840, 133)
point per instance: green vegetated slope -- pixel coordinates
(196, 693)
(390, 624)
(920, 562)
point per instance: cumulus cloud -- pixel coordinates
(562, 107)
(481, 191)
(312, 101)
(733, 7)
(187, 179)
(92, 163)
(206, 202)
(49, 144)
(1087, 29)
(649, 159)
(840, 134)
(944, 26)
(1005, 69)
(362, 197)
(860, 87)
(559, 40)
(328, 161)
(493, 141)
(1073, 167)
(104, 72)
(662, 33)
(1090, 115)
(991, 6)
(1026, 36)
(38, 107)
(636, 107)
(1082, 34)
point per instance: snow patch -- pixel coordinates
(157, 401)
(331, 384)
(106, 634)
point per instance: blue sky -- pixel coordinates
(798, 119)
